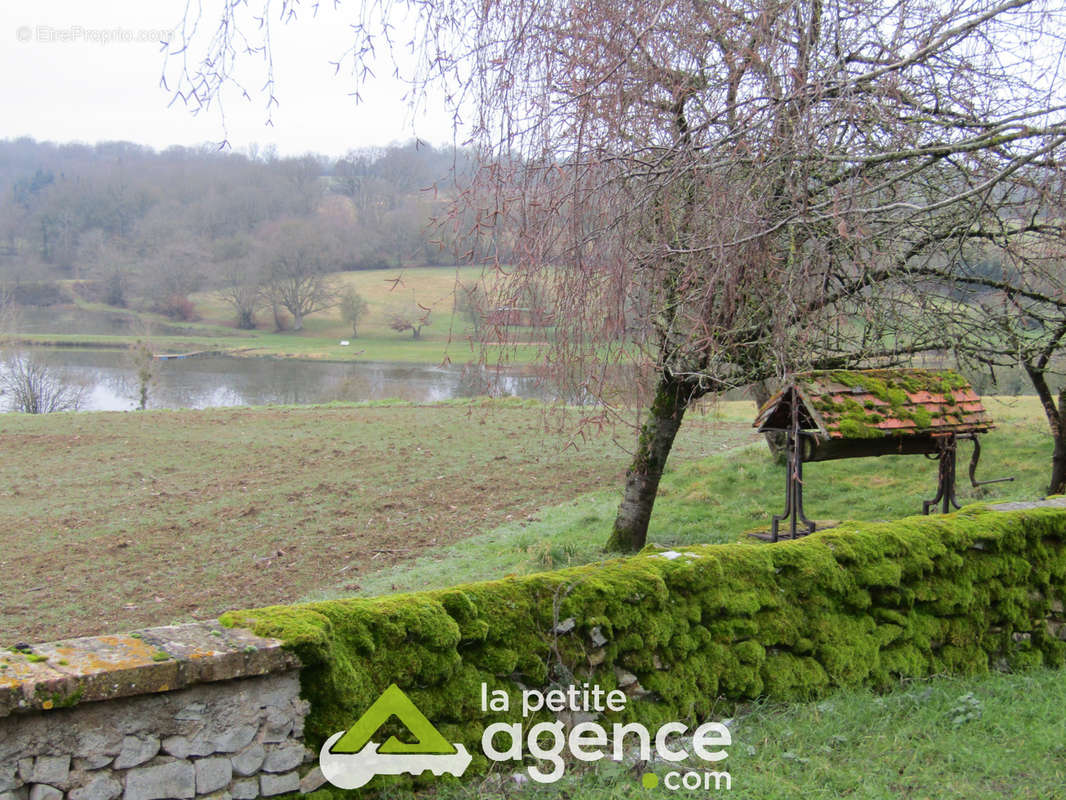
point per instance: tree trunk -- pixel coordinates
(775, 440)
(642, 480)
(297, 320)
(1058, 459)
(1058, 431)
(279, 321)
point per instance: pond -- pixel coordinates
(111, 384)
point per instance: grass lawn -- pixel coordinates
(448, 336)
(990, 736)
(734, 490)
(190, 513)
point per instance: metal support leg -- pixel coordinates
(945, 490)
(790, 449)
(793, 512)
(793, 479)
(973, 464)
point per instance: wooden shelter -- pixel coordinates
(852, 414)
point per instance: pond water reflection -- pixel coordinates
(204, 382)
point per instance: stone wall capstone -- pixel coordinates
(181, 711)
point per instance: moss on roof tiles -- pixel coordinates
(879, 396)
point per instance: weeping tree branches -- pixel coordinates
(724, 191)
(1003, 304)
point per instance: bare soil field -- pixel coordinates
(113, 521)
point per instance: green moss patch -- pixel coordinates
(892, 388)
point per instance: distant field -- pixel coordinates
(447, 336)
(384, 291)
(112, 521)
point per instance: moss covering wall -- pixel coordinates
(859, 604)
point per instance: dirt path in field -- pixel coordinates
(113, 521)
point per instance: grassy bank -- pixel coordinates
(263, 344)
(187, 514)
(990, 736)
(447, 336)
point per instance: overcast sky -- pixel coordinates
(77, 71)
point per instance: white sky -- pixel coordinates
(88, 90)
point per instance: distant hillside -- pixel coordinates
(150, 228)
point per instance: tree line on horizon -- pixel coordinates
(131, 222)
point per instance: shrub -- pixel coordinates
(30, 386)
(178, 307)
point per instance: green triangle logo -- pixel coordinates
(394, 703)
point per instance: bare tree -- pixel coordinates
(1034, 352)
(759, 186)
(1004, 303)
(353, 309)
(304, 177)
(242, 288)
(27, 383)
(412, 318)
(244, 297)
(470, 302)
(299, 258)
(31, 386)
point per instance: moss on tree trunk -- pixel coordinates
(642, 479)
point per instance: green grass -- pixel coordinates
(448, 337)
(742, 491)
(996, 735)
(724, 495)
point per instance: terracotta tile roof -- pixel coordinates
(868, 404)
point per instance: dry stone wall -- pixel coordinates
(191, 711)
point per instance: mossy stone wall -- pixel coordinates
(687, 634)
